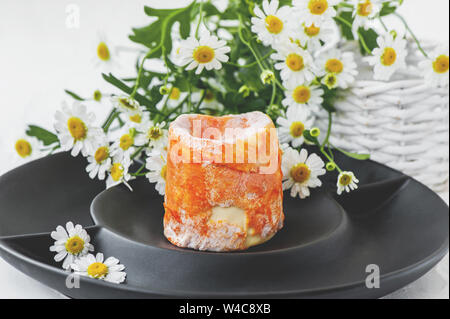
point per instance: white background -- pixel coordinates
(40, 57)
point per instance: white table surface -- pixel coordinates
(39, 57)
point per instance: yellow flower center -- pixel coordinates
(441, 64)
(389, 57)
(274, 24)
(318, 7)
(345, 180)
(297, 129)
(117, 172)
(74, 245)
(97, 270)
(301, 94)
(334, 66)
(101, 154)
(365, 8)
(103, 51)
(125, 103)
(209, 96)
(126, 141)
(175, 95)
(136, 118)
(300, 173)
(312, 31)
(295, 62)
(204, 54)
(154, 133)
(164, 172)
(77, 128)
(23, 148)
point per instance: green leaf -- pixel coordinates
(157, 35)
(370, 37)
(360, 157)
(75, 96)
(387, 9)
(46, 137)
(150, 105)
(346, 30)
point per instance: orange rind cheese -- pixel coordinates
(223, 182)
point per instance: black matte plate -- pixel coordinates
(323, 250)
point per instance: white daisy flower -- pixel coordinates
(435, 69)
(70, 243)
(301, 172)
(206, 53)
(270, 24)
(105, 55)
(312, 37)
(346, 181)
(126, 105)
(291, 129)
(152, 134)
(75, 129)
(118, 173)
(364, 13)
(309, 96)
(341, 64)
(157, 165)
(296, 64)
(99, 161)
(125, 145)
(96, 267)
(315, 11)
(28, 148)
(388, 57)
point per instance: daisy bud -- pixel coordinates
(244, 90)
(394, 34)
(273, 111)
(330, 166)
(315, 132)
(97, 95)
(164, 90)
(267, 77)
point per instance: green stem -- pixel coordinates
(138, 151)
(274, 93)
(200, 19)
(326, 143)
(253, 63)
(247, 43)
(137, 173)
(412, 34)
(197, 108)
(111, 117)
(361, 38)
(383, 24)
(141, 67)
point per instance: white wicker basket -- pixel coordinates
(402, 123)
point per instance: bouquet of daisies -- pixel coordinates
(289, 59)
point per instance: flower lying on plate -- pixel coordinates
(96, 267)
(301, 172)
(347, 181)
(70, 243)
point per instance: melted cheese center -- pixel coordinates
(237, 217)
